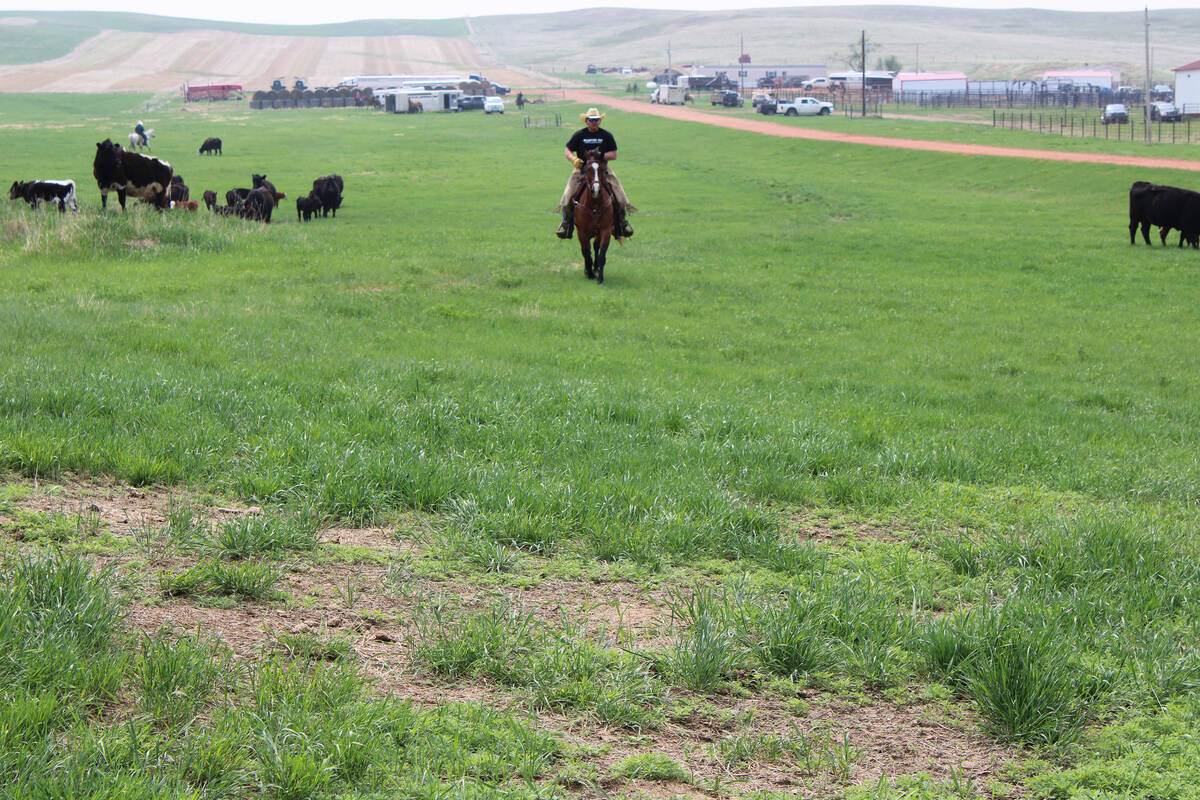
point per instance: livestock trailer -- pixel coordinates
(402, 101)
(917, 83)
(669, 95)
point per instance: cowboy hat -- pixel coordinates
(591, 113)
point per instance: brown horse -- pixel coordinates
(594, 216)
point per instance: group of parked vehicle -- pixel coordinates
(1118, 114)
(479, 102)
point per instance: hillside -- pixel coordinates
(99, 52)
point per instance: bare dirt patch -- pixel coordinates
(360, 589)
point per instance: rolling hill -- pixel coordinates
(99, 52)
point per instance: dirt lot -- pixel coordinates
(118, 61)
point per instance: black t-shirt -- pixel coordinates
(585, 140)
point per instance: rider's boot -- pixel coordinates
(567, 227)
(624, 229)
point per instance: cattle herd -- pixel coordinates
(1167, 207)
(153, 181)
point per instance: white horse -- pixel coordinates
(135, 141)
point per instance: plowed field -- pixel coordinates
(116, 61)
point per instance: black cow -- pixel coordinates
(210, 199)
(259, 204)
(211, 145)
(329, 191)
(1167, 207)
(178, 191)
(235, 197)
(307, 207)
(261, 182)
(62, 193)
(131, 174)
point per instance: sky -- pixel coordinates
(313, 12)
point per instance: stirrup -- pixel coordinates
(564, 230)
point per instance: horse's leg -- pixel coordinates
(585, 248)
(601, 256)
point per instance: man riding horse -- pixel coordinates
(584, 139)
(140, 130)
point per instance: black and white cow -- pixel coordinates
(61, 193)
(131, 174)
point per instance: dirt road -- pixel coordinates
(769, 128)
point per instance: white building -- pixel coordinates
(913, 83)
(1187, 88)
(784, 74)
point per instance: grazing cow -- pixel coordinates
(210, 199)
(307, 207)
(131, 174)
(225, 211)
(1167, 207)
(329, 191)
(211, 145)
(259, 204)
(178, 190)
(61, 193)
(235, 197)
(185, 205)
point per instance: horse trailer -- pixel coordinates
(669, 95)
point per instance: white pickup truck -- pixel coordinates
(800, 107)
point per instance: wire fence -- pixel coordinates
(1182, 132)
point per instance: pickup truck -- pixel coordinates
(800, 107)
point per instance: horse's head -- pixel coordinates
(594, 171)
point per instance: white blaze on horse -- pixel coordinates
(135, 141)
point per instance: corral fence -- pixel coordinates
(1090, 126)
(554, 121)
(1019, 94)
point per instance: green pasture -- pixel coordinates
(963, 352)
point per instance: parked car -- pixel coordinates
(470, 102)
(1114, 114)
(1165, 112)
(726, 97)
(816, 83)
(493, 105)
(761, 97)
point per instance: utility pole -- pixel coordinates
(917, 60)
(1147, 95)
(863, 85)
